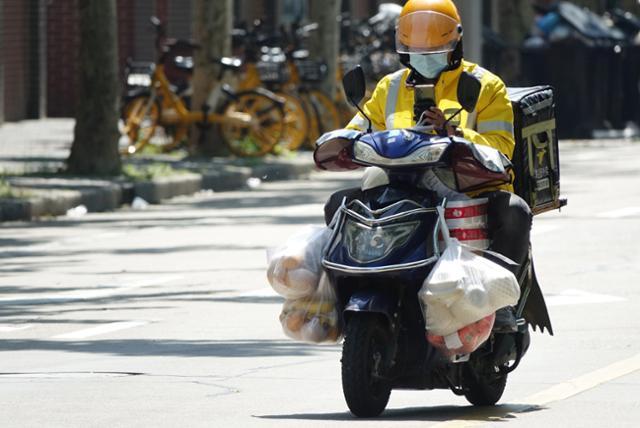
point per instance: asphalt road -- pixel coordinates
(163, 317)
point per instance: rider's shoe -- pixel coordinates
(505, 321)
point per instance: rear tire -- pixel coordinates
(365, 360)
(484, 387)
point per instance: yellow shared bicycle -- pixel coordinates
(251, 122)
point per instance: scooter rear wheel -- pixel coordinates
(484, 386)
(365, 362)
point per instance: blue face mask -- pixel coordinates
(429, 66)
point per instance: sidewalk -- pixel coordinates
(33, 152)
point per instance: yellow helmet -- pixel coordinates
(428, 26)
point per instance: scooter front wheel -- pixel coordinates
(365, 363)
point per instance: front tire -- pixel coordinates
(365, 362)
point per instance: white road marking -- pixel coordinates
(559, 392)
(64, 375)
(12, 328)
(579, 297)
(620, 213)
(110, 290)
(260, 292)
(101, 329)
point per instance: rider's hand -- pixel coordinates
(435, 116)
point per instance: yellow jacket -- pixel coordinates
(490, 124)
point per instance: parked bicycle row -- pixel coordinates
(266, 98)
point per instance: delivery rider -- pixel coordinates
(429, 42)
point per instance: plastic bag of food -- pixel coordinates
(464, 287)
(313, 319)
(465, 340)
(294, 268)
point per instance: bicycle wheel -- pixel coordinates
(140, 116)
(264, 132)
(296, 122)
(314, 122)
(328, 114)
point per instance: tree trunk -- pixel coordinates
(326, 42)
(95, 144)
(212, 24)
(1, 63)
(514, 23)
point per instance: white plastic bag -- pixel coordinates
(464, 288)
(295, 267)
(313, 319)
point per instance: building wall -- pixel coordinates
(62, 57)
(15, 46)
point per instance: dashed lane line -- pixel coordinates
(620, 213)
(87, 294)
(12, 328)
(99, 330)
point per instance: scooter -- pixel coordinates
(384, 245)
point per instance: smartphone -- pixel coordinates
(424, 97)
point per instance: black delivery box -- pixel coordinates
(536, 158)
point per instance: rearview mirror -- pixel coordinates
(354, 85)
(469, 88)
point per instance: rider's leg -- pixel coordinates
(336, 199)
(509, 225)
(373, 177)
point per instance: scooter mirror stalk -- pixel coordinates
(354, 86)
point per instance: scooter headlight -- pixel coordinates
(428, 154)
(369, 244)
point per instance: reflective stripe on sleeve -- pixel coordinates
(358, 122)
(472, 119)
(495, 125)
(361, 123)
(478, 72)
(392, 97)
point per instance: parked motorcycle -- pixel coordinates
(384, 245)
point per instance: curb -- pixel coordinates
(55, 196)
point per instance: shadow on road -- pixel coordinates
(501, 413)
(175, 348)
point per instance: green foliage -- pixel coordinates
(9, 192)
(150, 171)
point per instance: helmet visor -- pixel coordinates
(427, 32)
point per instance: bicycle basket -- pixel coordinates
(311, 71)
(273, 72)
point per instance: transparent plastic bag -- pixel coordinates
(465, 340)
(294, 268)
(464, 287)
(313, 319)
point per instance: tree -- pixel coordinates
(212, 24)
(326, 42)
(515, 18)
(95, 143)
